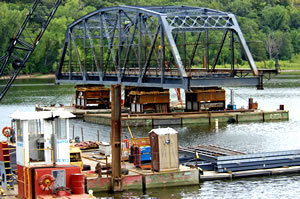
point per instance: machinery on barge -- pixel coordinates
(43, 156)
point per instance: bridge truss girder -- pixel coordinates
(151, 47)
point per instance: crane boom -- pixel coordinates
(23, 43)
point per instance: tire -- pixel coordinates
(123, 171)
(86, 167)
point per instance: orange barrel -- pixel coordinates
(77, 183)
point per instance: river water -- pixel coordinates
(246, 137)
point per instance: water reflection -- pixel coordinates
(171, 192)
(263, 187)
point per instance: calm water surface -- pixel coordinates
(247, 137)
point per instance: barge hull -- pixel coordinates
(147, 179)
(213, 175)
(184, 119)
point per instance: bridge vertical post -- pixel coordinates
(206, 65)
(260, 85)
(116, 136)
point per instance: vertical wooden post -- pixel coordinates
(82, 134)
(116, 177)
(98, 133)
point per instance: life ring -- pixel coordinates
(6, 131)
(127, 144)
(47, 182)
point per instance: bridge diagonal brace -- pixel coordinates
(149, 55)
(219, 50)
(129, 48)
(82, 68)
(110, 41)
(151, 38)
(194, 49)
(92, 46)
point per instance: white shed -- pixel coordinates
(42, 137)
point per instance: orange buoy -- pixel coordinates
(127, 144)
(6, 131)
(47, 182)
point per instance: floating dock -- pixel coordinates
(213, 175)
(137, 178)
(187, 118)
(221, 163)
(282, 162)
(245, 165)
(103, 116)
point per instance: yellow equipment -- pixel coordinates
(75, 156)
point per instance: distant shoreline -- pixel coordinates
(37, 76)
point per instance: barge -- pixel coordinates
(152, 107)
(103, 116)
(44, 168)
(185, 119)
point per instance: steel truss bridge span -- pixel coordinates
(154, 47)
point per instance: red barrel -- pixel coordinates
(77, 183)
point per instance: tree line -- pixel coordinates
(271, 27)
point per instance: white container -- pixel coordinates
(105, 148)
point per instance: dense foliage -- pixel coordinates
(271, 27)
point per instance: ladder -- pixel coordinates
(23, 43)
(7, 178)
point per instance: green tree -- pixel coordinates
(295, 18)
(241, 7)
(253, 36)
(10, 20)
(295, 36)
(275, 18)
(258, 5)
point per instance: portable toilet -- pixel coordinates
(164, 149)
